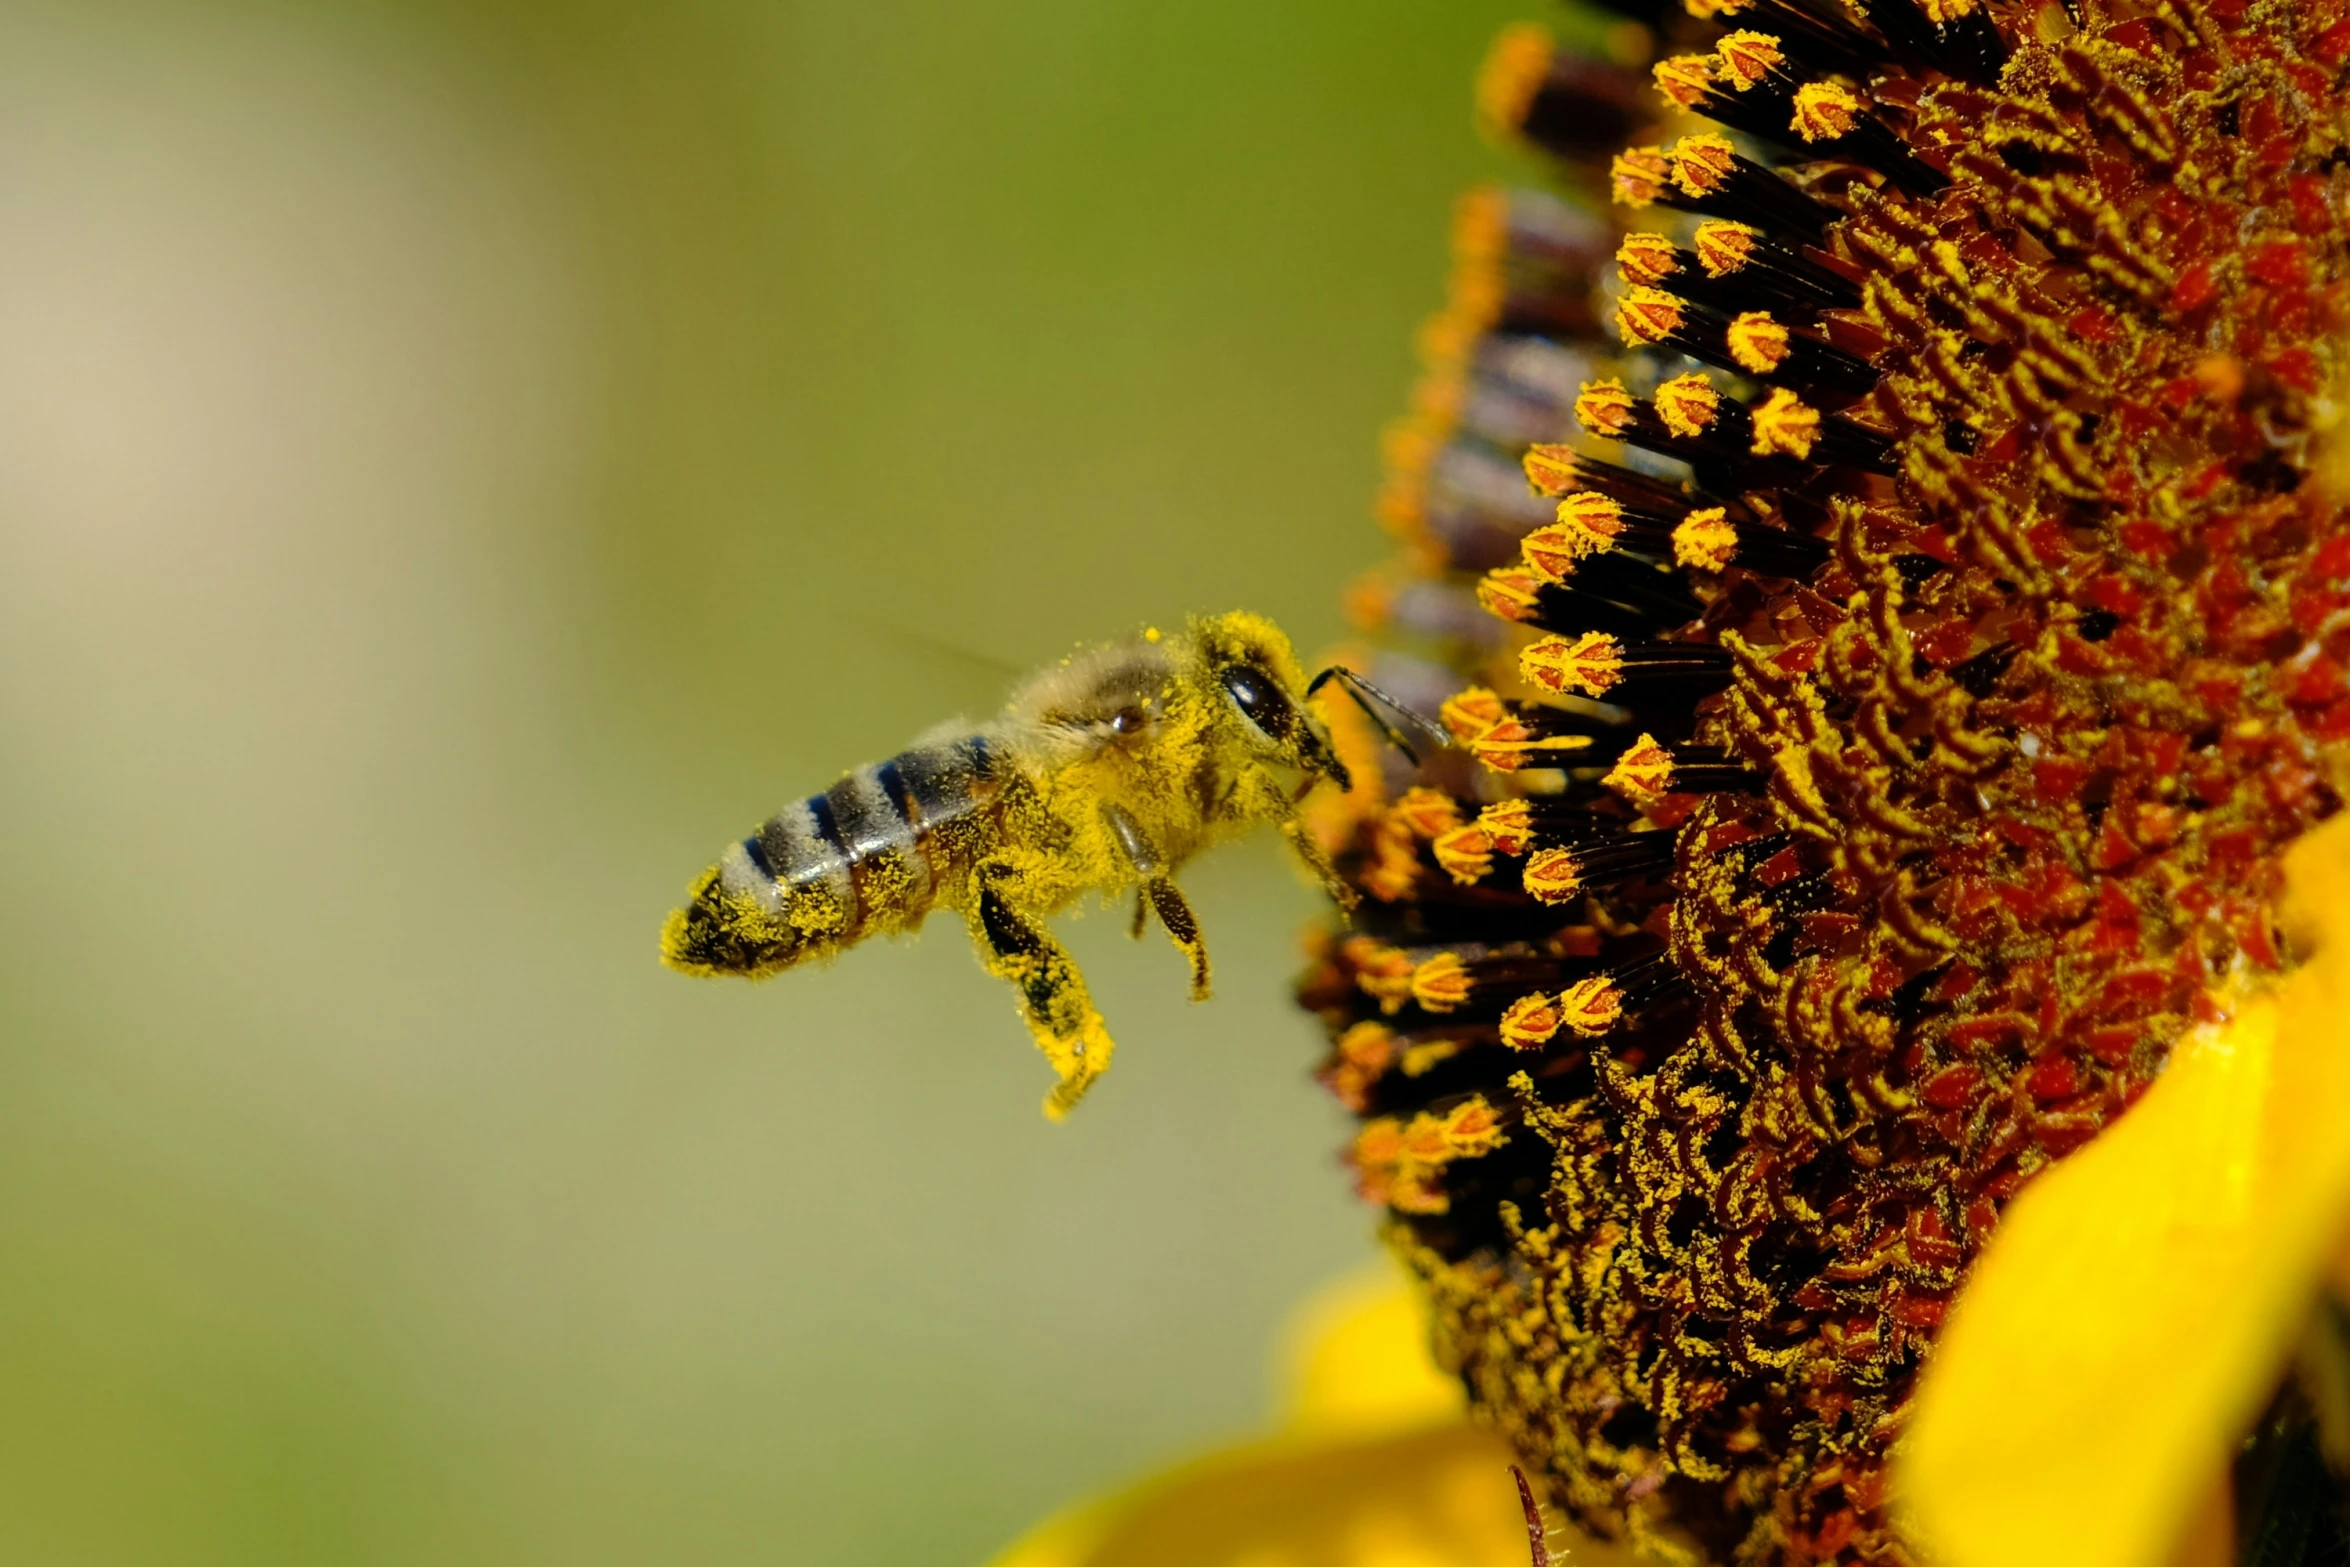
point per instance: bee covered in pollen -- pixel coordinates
(1107, 771)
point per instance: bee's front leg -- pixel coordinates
(1161, 894)
(1053, 997)
(1302, 843)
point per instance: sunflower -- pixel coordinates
(1869, 524)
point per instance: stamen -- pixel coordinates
(1563, 875)
(1470, 713)
(1596, 663)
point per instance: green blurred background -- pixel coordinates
(459, 465)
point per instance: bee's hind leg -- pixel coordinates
(1175, 913)
(1159, 893)
(1053, 997)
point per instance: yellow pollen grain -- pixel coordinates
(1702, 163)
(1704, 540)
(1688, 404)
(1648, 315)
(1591, 1006)
(1684, 79)
(1823, 111)
(1465, 853)
(1510, 594)
(1758, 342)
(1514, 71)
(1637, 175)
(1592, 664)
(1554, 876)
(1748, 57)
(1647, 258)
(1604, 408)
(1642, 773)
(1550, 469)
(1786, 424)
(1724, 246)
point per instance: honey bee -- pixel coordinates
(1105, 772)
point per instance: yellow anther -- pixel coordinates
(1723, 247)
(1786, 424)
(1530, 1023)
(1509, 594)
(1470, 713)
(1441, 983)
(1591, 1006)
(1550, 469)
(1758, 342)
(1704, 540)
(1684, 79)
(1554, 876)
(1604, 408)
(1591, 664)
(1647, 258)
(1824, 111)
(1507, 824)
(1637, 175)
(1648, 315)
(1642, 773)
(1747, 58)
(1688, 404)
(1702, 164)
(1465, 853)
(1514, 71)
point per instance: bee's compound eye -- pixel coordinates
(1260, 701)
(1127, 721)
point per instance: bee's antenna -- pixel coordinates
(1534, 1529)
(1364, 694)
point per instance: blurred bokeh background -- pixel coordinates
(460, 464)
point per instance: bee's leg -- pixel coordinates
(1307, 850)
(1183, 925)
(1142, 916)
(1159, 888)
(1053, 998)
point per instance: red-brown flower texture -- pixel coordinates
(1868, 763)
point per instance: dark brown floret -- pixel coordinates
(1977, 696)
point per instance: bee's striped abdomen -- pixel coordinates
(869, 854)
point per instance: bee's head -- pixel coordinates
(1253, 674)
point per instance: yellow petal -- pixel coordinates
(2139, 1301)
(1374, 1467)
